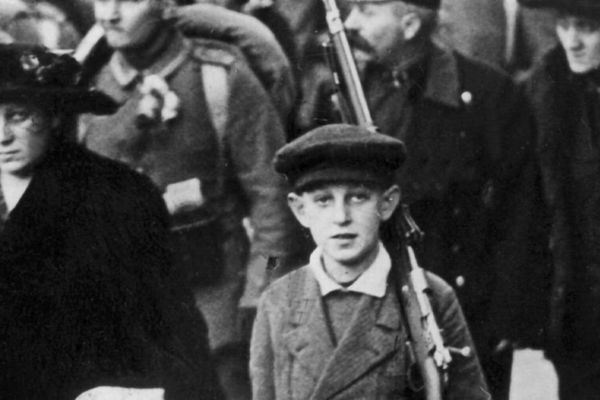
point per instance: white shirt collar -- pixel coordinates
(372, 282)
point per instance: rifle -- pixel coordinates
(425, 340)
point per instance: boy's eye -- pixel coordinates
(322, 199)
(360, 197)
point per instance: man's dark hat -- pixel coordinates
(340, 152)
(579, 7)
(34, 74)
(433, 4)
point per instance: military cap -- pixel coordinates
(33, 73)
(589, 8)
(433, 4)
(340, 152)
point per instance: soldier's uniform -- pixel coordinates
(223, 137)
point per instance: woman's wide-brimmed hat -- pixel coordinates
(32, 73)
(590, 8)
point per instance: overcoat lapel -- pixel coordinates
(309, 339)
(373, 335)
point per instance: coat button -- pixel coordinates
(460, 281)
(467, 98)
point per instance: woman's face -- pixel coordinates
(25, 134)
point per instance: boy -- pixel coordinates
(334, 328)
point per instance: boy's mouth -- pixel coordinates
(344, 236)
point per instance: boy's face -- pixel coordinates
(580, 38)
(344, 219)
(129, 24)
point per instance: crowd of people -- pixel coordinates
(186, 213)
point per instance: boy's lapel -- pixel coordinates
(309, 339)
(374, 334)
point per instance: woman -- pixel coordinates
(86, 295)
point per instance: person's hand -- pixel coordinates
(121, 393)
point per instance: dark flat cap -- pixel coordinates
(584, 8)
(33, 73)
(434, 4)
(340, 152)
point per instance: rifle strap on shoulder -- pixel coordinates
(216, 89)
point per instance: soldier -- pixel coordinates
(335, 328)
(563, 90)
(196, 120)
(469, 174)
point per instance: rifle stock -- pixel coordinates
(431, 356)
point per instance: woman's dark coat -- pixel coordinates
(86, 293)
(555, 98)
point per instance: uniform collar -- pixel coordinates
(443, 81)
(372, 282)
(165, 64)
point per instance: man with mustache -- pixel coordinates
(469, 176)
(563, 90)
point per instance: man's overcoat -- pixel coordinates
(469, 180)
(574, 314)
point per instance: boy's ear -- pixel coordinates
(411, 25)
(296, 203)
(389, 202)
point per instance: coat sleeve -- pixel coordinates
(253, 134)
(465, 377)
(262, 361)
(516, 214)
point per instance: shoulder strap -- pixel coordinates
(216, 89)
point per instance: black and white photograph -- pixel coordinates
(300, 199)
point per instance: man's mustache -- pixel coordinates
(357, 42)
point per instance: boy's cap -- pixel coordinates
(589, 8)
(433, 4)
(340, 153)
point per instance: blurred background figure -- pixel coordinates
(499, 32)
(564, 92)
(38, 22)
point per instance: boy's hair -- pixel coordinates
(378, 186)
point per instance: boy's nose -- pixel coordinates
(341, 213)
